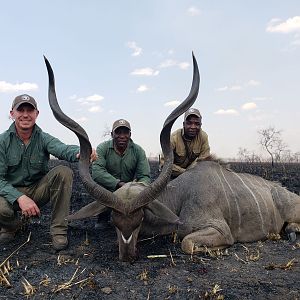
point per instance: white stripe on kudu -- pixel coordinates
(255, 200)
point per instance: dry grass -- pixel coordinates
(72, 281)
(287, 266)
(5, 266)
(144, 275)
(273, 236)
(214, 293)
(173, 289)
(29, 289)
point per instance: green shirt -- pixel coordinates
(110, 167)
(23, 165)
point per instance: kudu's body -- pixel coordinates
(218, 207)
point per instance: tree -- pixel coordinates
(246, 156)
(270, 139)
(106, 132)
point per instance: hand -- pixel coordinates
(28, 206)
(120, 184)
(93, 156)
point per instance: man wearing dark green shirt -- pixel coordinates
(120, 160)
(26, 183)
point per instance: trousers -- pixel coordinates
(56, 187)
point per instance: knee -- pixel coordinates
(6, 211)
(64, 173)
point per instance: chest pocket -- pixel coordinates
(38, 162)
(13, 159)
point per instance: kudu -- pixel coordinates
(209, 206)
(128, 204)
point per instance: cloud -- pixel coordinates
(94, 98)
(137, 51)
(183, 65)
(6, 87)
(253, 82)
(168, 63)
(235, 88)
(249, 106)
(222, 89)
(145, 72)
(226, 112)
(89, 100)
(173, 103)
(171, 63)
(142, 88)
(95, 109)
(288, 26)
(73, 97)
(229, 88)
(238, 87)
(193, 11)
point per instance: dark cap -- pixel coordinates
(120, 123)
(192, 111)
(23, 99)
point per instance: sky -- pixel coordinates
(133, 60)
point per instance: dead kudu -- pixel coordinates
(209, 206)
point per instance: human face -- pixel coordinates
(192, 126)
(25, 117)
(121, 137)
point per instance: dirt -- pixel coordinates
(90, 269)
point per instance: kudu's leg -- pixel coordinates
(209, 238)
(291, 230)
(288, 205)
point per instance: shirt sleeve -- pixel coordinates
(100, 173)
(7, 191)
(176, 169)
(143, 168)
(205, 149)
(60, 150)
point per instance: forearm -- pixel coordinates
(8, 192)
(105, 179)
(177, 170)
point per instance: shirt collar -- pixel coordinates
(12, 129)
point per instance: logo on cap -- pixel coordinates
(122, 122)
(25, 98)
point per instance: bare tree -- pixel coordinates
(279, 150)
(247, 156)
(106, 132)
(243, 154)
(270, 139)
(297, 157)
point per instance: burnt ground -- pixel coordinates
(90, 269)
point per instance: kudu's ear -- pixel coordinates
(157, 213)
(93, 209)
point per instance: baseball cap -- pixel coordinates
(192, 111)
(21, 99)
(120, 123)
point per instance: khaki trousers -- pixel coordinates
(56, 187)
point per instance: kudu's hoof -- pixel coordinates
(292, 237)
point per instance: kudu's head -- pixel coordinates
(128, 202)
